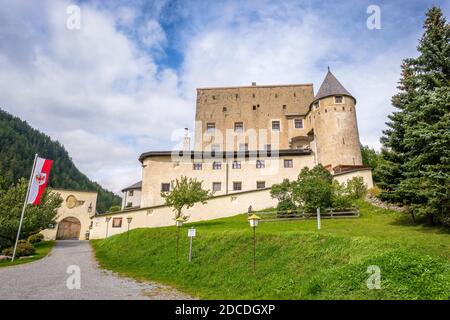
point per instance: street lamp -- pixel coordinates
(107, 219)
(254, 220)
(178, 223)
(129, 219)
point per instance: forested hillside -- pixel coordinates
(18, 144)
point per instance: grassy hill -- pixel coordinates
(18, 144)
(294, 260)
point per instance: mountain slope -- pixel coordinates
(18, 144)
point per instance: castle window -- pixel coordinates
(288, 163)
(214, 97)
(260, 184)
(260, 164)
(267, 147)
(343, 141)
(210, 127)
(254, 107)
(316, 104)
(284, 107)
(238, 127)
(237, 96)
(343, 108)
(217, 165)
(129, 205)
(326, 111)
(294, 94)
(276, 125)
(224, 109)
(165, 187)
(131, 193)
(197, 166)
(237, 186)
(243, 147)
(117, 223)
(276, 95)
(253, 95)
(338, 99)
(216, 186)
(236, 165)
(257, 105)
(298, 123)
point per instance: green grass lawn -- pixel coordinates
(43, 248)
(294, 260)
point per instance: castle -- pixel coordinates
(246, 139)
(252, 137)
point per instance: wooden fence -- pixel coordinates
(274, 215)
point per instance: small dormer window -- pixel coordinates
(210, 127)
(338, 99)
(316, 105)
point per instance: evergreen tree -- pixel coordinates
(417, 143)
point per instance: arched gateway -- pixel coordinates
(69, 229)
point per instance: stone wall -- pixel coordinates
(161, 216)
(256, 107)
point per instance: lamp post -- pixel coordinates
(179, 223)
(254, 220)
(107, 219)
(129, 219)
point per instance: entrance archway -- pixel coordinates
(69, 229)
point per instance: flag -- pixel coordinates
(39, 180)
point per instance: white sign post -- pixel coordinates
(318, 218)
(191, 235)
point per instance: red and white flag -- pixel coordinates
(39, 180)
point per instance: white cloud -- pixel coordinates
(92, 88)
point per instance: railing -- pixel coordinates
(275, 215)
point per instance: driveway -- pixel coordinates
(56, 277)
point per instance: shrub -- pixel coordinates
(24, 248)
(356, 188)
(282, 191)
(374, 192)
(35, 238)
(313, 188)
(115, 208)
(285, 207)
(340, 198)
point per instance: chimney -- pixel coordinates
(253, 84)
(186, 140)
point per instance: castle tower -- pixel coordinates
(334, 126)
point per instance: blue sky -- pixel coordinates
(124, 83)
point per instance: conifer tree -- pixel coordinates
(417, 143)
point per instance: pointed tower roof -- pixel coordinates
(331, 87)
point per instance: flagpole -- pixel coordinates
(24, 207)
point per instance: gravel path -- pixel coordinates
(47, 278)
